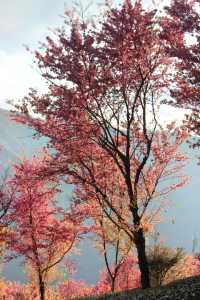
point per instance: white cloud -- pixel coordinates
(168, 114)
(156, 4)
(17, 76)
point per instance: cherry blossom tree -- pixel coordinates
(181, 29)
(127, 277)
(105, 84)
(40, 232)
(71, 289)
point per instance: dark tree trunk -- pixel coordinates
(138, 235)
(139, 241)
(113, 284)
(41, 288)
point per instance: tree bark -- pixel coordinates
(138, 234)
(113, 284)
(41, 288)
(139, 241)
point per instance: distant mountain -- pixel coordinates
(181, 222)
(16, 140)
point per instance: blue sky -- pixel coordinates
(26, 22)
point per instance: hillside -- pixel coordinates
(186, 289)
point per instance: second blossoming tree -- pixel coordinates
(41, 232)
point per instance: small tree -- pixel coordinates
(110, 240)
(127, 277)
(40, 231)
(115, 246)
(169, 264)
(161, 260)
(71, 289)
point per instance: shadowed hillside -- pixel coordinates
(186, 289)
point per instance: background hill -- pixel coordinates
(15, 139)
(181, 221)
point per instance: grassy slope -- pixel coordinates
(187, 289)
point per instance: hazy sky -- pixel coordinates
(23, 22)
(26, 22)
